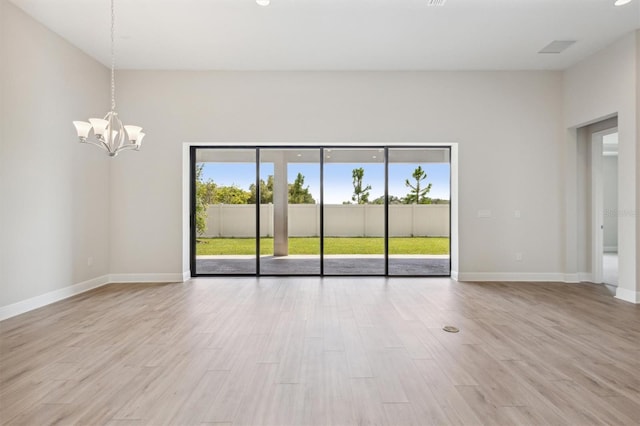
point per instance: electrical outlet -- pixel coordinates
(89, 261)
(518, 257)
(517, 214)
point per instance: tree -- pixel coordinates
(360, 194)
(231, 195)
(438, 201)
(266, 191)
(392, 200)
(417, 194)
(298, 194)
(201, 201)
(208, 190)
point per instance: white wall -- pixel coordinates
(508, 126)
(340, 220)
(628, 295)
(54, 194)
(610, 202)
(601, 86)
(583, 219)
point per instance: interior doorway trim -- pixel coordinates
(597, 203)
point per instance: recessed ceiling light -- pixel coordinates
(621, 2)
(263, 2)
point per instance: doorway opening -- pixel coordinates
(604, 168)
(322, 210)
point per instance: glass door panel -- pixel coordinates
(419, 205)
(354, 219)
(290, 211)
(225, 216)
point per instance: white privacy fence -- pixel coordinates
(349, 220)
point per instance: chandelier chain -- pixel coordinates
(113, 58)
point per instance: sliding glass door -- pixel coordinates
(321, 211)
(419, 211)
(224, 212)
(290, 211)
(354, 216)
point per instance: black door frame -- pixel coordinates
(192, 203)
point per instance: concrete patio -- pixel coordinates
(333, 265)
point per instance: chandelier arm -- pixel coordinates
(98, 143)
(121, 144)
(128, 147)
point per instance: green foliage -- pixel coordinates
(439, 201)
(201, 200)
(210, 193)
(392, 200)
(360, 194)
(231, 195)
(207, 191)
(417, 193)
(298, 194)
(266, 191)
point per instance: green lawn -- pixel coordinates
(415, 245)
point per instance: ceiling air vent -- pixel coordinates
(436, 2)
(557, 46)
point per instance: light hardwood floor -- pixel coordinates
(338, 351)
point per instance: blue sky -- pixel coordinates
(338, 186)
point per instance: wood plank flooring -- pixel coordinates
(332, 351)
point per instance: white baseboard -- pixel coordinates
(572, 278)
(454, 275)
(66, 292)
(628, 295)
(512, 276)
(585, 277)
(525, 276)
(36, 302)
(147, 278)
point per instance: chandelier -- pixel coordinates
(108, 133)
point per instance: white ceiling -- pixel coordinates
(338, 34)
